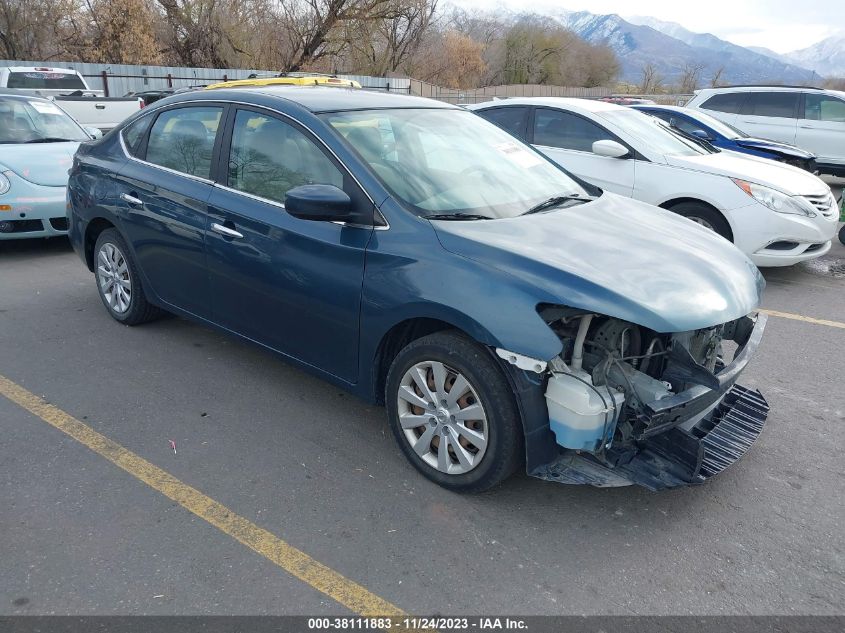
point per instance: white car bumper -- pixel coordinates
(781, 239)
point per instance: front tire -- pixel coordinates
(118, 281)
(453, 413)
(706, 216)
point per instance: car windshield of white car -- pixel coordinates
(450, 163)
(655, 134)
(36, 121)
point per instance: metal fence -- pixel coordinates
(116, 80)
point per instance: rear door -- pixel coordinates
(164, 194)
(772, 115)
(725, 106)
(568, 139)
(821, 128)
(293, 285)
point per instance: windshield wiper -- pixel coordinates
(457, 216)
(557, 201)
(50, 139)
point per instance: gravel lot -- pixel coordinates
(319, 469)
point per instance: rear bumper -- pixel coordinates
(685, 439)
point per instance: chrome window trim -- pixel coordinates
(376, 209)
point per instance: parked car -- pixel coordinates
(414, 254)
(37, 142)
(811, 118)
(70, 91)
(701, 125)
(777, 214)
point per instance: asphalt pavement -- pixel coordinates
(318, 468)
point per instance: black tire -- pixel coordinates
(705, 215)
(504, 451)
(139, 310)
(842, 234)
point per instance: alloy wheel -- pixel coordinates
(114, 278)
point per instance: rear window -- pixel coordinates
(729, 102)
(510, 119)
(771, 104)
(42, 80)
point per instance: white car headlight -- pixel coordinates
(775, 200)
(5, 185)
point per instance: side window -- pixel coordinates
(820, 107)
(555, 128)
(771, 104)
(183, 139)
(269, 157)
(133, 134)
(728, 102)
(511, 119)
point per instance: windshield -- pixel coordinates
(728, 131)
(45, 80)
(452, 162)
(29, 120)
(654, 133)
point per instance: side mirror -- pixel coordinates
(94, 132)
(324, 203)
(702, 135)
(611, 149)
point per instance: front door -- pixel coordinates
(293, 285)
(568, 140)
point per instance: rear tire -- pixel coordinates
(706, 216)
(842, 235)
(446, 390)
(119, 282)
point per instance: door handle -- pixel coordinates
(225, 230)
(806, 127)
(131, 200)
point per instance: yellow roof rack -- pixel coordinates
(302, 80)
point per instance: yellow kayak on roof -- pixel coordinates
(310, 79)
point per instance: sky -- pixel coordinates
(780, 25)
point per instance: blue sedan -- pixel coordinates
(507, 314)
(724, 136)
(37, 143)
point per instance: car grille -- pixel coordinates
(824, 204)
(741, 416)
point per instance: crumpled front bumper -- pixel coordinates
(687, 438)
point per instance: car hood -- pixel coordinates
(39, 163)
(618, 257)
(774, 146)
(785, 178)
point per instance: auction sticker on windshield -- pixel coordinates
(518, 155)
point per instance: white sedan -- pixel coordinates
(777, 214)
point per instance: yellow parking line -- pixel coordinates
(801, 317)
(296, 562)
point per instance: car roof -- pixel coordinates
(320, 98)
(50, 69)
(567, 103)
(762, 89)
(11, 92)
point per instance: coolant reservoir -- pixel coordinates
(580, 413)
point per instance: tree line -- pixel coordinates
(448, 46)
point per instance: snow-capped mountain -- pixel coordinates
(826, 57)
(670, 48)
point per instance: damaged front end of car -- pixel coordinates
(628, 405)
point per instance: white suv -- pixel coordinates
(810, 118)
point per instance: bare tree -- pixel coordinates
(690, 77)
(651, 79)
(715, 80)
